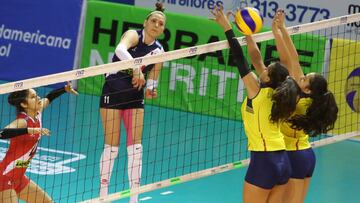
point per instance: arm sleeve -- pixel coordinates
(238, 54)
(122, 52)
(12, 132)
(55, 94)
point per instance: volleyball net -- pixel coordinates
(193, 129)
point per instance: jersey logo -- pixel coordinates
(249, 109)
(22, 164)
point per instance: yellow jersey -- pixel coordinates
(262, 134)
(296, 139)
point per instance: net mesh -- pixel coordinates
(193, 127)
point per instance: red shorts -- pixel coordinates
(17, 184)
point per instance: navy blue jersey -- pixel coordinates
(118, 91)
(142, 49)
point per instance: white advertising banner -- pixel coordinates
(297, 12)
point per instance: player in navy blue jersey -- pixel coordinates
(123, 98)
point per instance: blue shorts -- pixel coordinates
(119, 93)
(302, 163)
(268, 169)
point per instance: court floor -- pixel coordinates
(175, 143)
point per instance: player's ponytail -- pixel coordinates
(321, 115)
(284, 100)
(16, 98)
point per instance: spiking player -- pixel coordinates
(123, 99)
(25, 133)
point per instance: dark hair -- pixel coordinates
(159, 7)
(321, 115)
(16, 98)
(277, 74)
(284, 100)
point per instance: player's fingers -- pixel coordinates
(229, 13)
(221, 7)
(45, 131)
(74, 92)
(136, 83)
(141, 84)
(133, 81)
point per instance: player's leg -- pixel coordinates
(8, 196)
(277, 194)
(283, 170)
(310, 156)
(134, 121)
(111, 123)
(294, 190)
(254, 194)
(303, 165)
(266, 177)
(32, 193)
(257, 186)
(305, 189)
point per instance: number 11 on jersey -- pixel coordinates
(106, 99)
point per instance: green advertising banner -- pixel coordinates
(207, 83)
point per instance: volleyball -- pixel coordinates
(352, 90)
(249, 20)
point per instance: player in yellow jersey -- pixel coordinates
(267, 102)
(316, 112)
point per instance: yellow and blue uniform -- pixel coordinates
(296, 139)
(269, 164)
(262, 134)
(300, 153)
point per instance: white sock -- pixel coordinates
(134, 168)
(106, 166)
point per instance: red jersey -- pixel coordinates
(21, 149)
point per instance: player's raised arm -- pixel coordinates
(249, 79)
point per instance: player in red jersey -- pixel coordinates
(24, 133)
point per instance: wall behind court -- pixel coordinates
(38, 37)
(207, 83)
(344, 82)
(297, 12)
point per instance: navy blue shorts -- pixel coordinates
(268, 169)
(119, 93)
(302, 163)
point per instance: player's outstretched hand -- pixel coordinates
(69, 89)
(280, 14)
(221, 18)
(41, 131)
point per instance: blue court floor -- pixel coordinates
(336, 180)
(175, 143)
